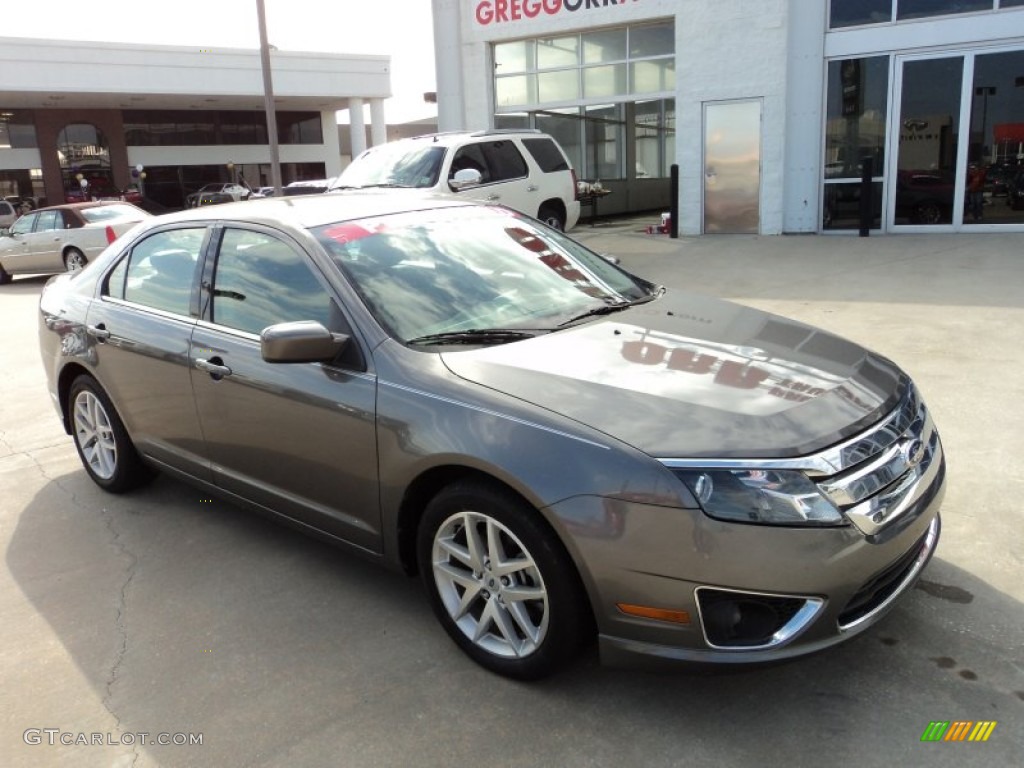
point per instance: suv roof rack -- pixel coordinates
(501, 131)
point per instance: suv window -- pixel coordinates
(547, 154)
(470, 157)
(504, 160)
(260, 281)
(160, 271)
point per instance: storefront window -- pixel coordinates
(17, 131)
(654, 129)
(603, 82)
(916, 9)
(517, 56)
(560, 85)
(849, 13)
(84, 157)
(564, 126)
(842, 206)
(652, 40)
(995, 173)
(856, 116)
(603, 127)
(929, 135)
(558, 52)
(518, 90)
(604, 45)
(603, 64)
(652, 76)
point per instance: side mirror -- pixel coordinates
(303, 341)
(466, 178)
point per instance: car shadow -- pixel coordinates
(187, 614)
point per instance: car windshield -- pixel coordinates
(474, 269)
(394, 165)
(107, 212)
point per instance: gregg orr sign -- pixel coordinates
(500, 11)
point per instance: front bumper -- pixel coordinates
(742, 593)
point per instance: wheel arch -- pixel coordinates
(557, 204)
(429, 483)
(67, 376)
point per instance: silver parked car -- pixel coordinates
(63, 237)
(561, 450)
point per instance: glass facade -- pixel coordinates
(610, 63)
(172, 128)
(944, 173)
(602, 94)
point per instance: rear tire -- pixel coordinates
(74, 260)
(5, 276)
(551, 216)
(500, 582)
(106, 451)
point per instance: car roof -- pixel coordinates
(307, 211)
(80, 206)
(449, 138)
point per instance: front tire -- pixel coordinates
(5, 276)
(106, 451)
(500, 582)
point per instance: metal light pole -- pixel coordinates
(268, 100)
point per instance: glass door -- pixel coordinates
(923, 185)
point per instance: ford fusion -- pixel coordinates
(560, 450)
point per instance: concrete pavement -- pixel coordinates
(165, 612)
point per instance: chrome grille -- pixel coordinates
(899, 460)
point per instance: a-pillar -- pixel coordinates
(356, 127)
(378, 126)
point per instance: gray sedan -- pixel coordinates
(559, 449)
(63, 237)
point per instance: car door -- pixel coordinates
(504, 174)
(46, 241)
(297, 438)
(15, 247)
(141, 328)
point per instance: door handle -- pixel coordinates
(491, 198)
(98, 331)
(214, 367)
(532, 188)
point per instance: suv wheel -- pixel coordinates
(551, 216)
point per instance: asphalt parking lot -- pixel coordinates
(164, 612)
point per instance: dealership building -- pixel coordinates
(166, 119)
(782, 115)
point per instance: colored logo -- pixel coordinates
(958, 730)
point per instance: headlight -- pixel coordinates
(769, 496)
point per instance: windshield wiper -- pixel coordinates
(476, 336)
(617, 306)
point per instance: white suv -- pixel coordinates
(524, 170)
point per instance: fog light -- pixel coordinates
(750, 620)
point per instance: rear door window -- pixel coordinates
(504, 160)
(160, 271)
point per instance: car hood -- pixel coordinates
(690, 376)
